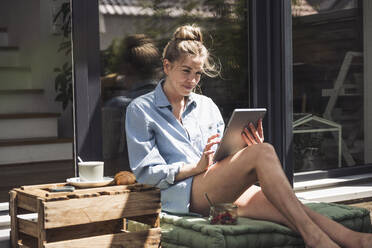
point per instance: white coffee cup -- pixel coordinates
(91, 171)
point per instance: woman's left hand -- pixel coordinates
(253, 135)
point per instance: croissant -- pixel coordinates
(124, 178)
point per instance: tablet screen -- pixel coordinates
(232, 141)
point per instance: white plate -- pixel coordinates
(75, 181)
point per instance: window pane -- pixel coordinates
(36, 139)
(330, 128)
(224, 25)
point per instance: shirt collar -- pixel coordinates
(161, 99)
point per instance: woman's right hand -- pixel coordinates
(206, 159)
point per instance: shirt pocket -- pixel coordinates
(209, 129)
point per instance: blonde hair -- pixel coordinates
(188, 40)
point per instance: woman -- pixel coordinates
(171, 133)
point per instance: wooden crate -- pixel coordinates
(84, 218)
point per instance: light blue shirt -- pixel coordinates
(158, 144)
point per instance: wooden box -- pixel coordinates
(91, 217)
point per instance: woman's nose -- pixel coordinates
(193, 79)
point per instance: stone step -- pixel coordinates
(12, 78)
(336, 194)
(4, 221)
(28, 125)
(5, 238)
(22, 101)
(9, 56)
(332, 182)
(338, 189)
(4, 224)
(35, 149)
(4, 206)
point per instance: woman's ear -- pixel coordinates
(166, 66)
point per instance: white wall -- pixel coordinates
(30, 28)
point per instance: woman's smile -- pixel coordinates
(182, 76)
(189, 87)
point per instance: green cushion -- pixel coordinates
(187, 231)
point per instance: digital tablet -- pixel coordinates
(232, 141)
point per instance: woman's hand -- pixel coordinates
(253, 135)
(206, 159)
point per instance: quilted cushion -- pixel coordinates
(187, 231)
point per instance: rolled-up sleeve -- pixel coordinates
(145, 159)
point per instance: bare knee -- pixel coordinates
(262, 151)
(262, 157)
(267, 147)
(251, 158)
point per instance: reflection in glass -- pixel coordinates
(134, 73)
(328, 83)
(224, 26)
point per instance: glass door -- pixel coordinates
(330, 110)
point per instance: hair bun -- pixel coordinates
(136, 40)
(176, 49)
(139, 55)
(188, 32)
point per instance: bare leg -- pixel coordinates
(254, 204)
(228, 179)
(340, 234)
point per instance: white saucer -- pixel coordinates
(75, 181)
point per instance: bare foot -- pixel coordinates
(320, 241)
(365, 240)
